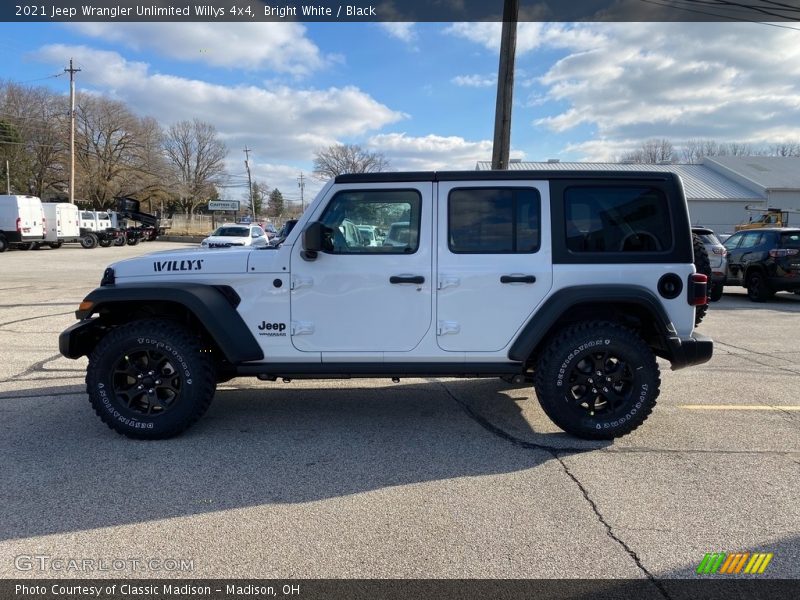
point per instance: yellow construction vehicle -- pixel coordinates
(768, 217)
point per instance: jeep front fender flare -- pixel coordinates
(213, 306)
(561, 302)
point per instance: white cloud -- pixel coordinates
(430, 152)
(404, 32)
(628, 82)
(474, 80)
(282, 47)
(280, 122)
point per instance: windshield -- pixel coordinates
(232, 232)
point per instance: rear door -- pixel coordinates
(494, 261)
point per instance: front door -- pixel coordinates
(360, 295)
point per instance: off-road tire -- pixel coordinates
(3, 243)
(120, 240)
(104, 243)
(89, 241)
(567, 372)
(701, 265)
(157, 355)
(758, 289)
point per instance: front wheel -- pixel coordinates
(89, 241)
(150, 379)
(597, 380)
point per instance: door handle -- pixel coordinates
(418, 279)
(517, 279)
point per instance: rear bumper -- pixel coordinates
(694, 350)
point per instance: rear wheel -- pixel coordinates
(3, 243)
(132, 241)
(715, 295)
(150, 379)
(105, 243)
(701, 265)
(597, 380)
(89, 241)
(758, 289)
(119, 241)
(56, 245)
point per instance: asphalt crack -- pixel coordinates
(554, 452)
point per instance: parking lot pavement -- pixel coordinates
(425, 478)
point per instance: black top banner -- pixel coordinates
(404, 10)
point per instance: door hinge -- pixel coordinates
(302, 327)
(298, 282)
(446, 282)
(448, 327)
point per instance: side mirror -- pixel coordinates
(312, 240)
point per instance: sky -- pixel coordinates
(423, 94)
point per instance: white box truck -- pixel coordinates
(63, 223)
(22, 222)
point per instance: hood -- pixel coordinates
(226, 241)
(174, 263)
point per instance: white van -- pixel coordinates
(21, 221)
(63, 223)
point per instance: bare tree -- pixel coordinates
(347, 158)
(32, 138)
(196, 156)
(651, 152)
(785, 149)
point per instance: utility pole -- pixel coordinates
(505, 86)
(249, 182)
(301, 183)
(8, 180)
(71, 72)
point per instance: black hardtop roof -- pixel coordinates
(400, 177)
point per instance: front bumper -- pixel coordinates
(79, 338)
(685, 352)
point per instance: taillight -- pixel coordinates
(719, 250)
(698, 289)
(19, 225)
(783, 252)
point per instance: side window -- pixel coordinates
(750, 239)
(395, 211)
(493, 220)
(732, 242)
(617, 219)
(87, 216)
(257, 232)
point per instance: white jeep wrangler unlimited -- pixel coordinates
(576, 280)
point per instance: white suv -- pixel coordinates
(576, 281)
(236, 234)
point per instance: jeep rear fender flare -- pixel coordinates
(213, 306)
(558, 306)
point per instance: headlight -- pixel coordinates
(204, 244)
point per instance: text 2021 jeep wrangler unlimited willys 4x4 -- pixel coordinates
(577, 280)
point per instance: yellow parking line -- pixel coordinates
(736, 407)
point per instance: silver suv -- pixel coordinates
(718, 257)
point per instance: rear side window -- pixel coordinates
(493, 220)
(617, 219)
(790, 240)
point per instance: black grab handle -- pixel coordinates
(418, 279)
(517, 279)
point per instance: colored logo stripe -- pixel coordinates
(734, 564)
